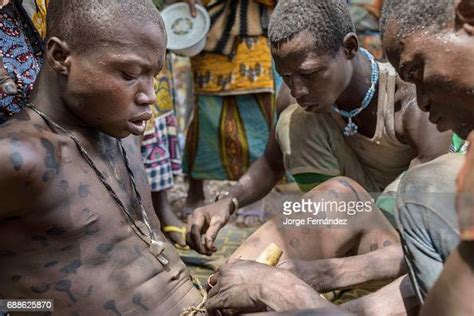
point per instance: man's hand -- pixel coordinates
(465, 194)
(192, 6)
(247, 286)
(207, 220)
(238, 287)
(7, 85)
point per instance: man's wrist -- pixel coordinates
(284, 291)
(232, 201)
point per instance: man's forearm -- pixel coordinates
(380, 265)
(287, 292)
(453, 293)
(257, 182)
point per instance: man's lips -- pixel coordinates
(142, 117)
(138, 124)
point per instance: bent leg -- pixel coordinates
(364, 232)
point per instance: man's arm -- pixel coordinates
(338, 273)
(453, 293)
(20, 178)
(257, 182)
(423, 135)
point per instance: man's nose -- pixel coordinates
(147, 95)
(422, 99)
(298, 88)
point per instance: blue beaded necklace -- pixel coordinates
(351, 128)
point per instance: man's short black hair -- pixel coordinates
(415, 15)
(79, 21)
(329, 21)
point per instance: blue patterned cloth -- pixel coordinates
(22, 51)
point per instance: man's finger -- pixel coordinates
(211, 234)
(193, 219)
(196, 238)
(192, 7)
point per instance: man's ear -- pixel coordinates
(351, 45)
(465, 15)
(58, 55)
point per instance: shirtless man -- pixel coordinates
(62, 234)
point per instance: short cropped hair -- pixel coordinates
(79, 21)
(415, 15)
(328, 21)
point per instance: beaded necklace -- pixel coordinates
(351, 128)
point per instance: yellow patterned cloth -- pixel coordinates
(39, 18)
(164, 97)
(248, 71)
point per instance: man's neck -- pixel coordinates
(359, 84)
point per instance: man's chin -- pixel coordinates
(118, 133)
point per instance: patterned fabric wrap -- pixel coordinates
(248, 71)
(227, 134)
(231, 20)
(39, 18)
(22, 51)
(160, 152)
(160, 148)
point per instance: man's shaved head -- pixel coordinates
(415, 15)
(79, 21)
(328, 21)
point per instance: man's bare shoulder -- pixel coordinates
(26, 152)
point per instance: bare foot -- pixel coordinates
(251, 216)
(173, 228)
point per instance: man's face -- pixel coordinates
(315, 80)
(441, 65)
(110, 86)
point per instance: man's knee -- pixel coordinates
(341, 188)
